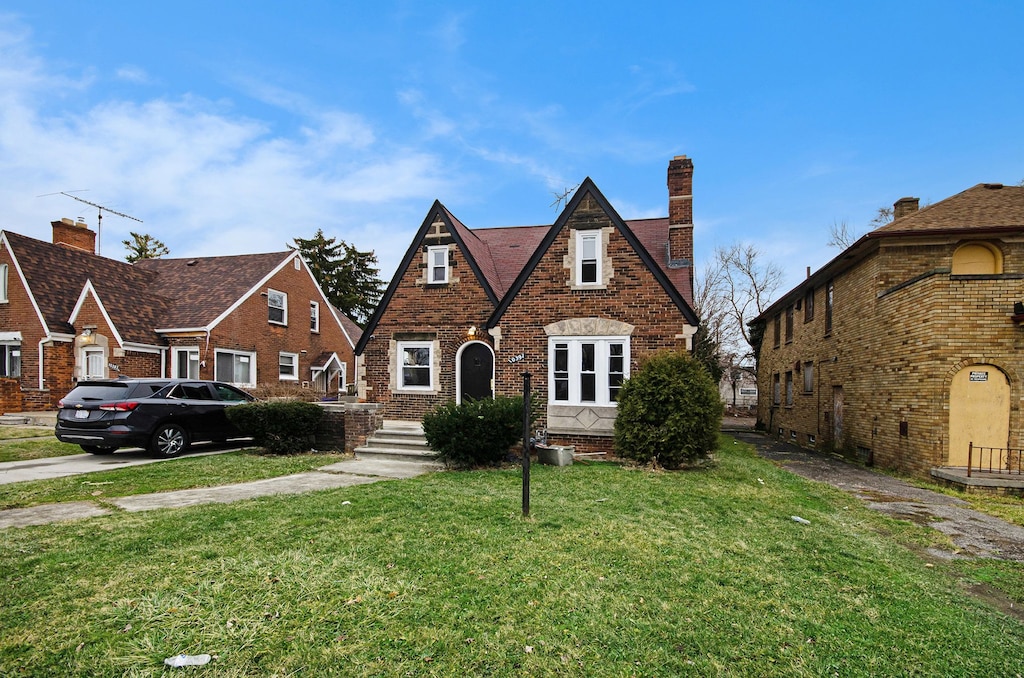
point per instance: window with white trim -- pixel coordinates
(277, 307)
(288, 366)
(186, 363)
(10, 359)
(588, 257)
(587, 370)
(95, 364)
(437, 264)
(3, 283)
(415, 369)
(314, 316)
(235, 367)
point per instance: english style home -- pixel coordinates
(68, 314)
(576, 303)
(906, 348)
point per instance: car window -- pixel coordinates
(232, 395)
(196, 392)
(147, 389)
(86, 392)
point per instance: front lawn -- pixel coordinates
(618, 572)
(22, 450)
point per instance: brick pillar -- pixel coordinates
(330, 433)
(361, 420)
(680, 191)
(76, 236)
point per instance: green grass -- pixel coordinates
(177, 474)
(9, 432)
(23, 450)
(618, 572)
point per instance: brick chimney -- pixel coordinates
(680, 212)
(75, 236)
(904, 206)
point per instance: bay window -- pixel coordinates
(587, 370)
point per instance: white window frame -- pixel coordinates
(9, 350)
(582, 237)
(294, 357)
(193, 359)
(250, 358)
(441, 266)
(94, 352)
(400, 367)
(3, 283)
(314, 317)
(602, 359)
(283, 308)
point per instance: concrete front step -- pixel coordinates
(397, 440)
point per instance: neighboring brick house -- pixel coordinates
(906, 347)
(67, 314)
(577, 304)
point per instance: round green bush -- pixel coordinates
(475, 433)
(669, 412)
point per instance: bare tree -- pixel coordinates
(842, 236)
(749, 284)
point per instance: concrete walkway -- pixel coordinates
(342, 474)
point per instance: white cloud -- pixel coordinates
(133, 74)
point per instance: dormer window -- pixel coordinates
(277, 307)
(588, 257)
(437, 265)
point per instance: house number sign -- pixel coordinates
(516, 358)
(979, 376)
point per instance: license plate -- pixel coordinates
(81, 414)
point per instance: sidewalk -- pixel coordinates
(342, 474)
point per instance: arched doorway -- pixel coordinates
(475, 374)
(979, 411)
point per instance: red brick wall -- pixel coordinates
(10, 395)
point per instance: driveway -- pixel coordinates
(58, 467)
(973, 534)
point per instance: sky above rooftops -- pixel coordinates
(233, 127)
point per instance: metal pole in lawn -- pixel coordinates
(526, 444)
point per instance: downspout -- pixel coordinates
(41, 342)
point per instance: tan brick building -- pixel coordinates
(576, 304)
(68, 314)
(906, 348)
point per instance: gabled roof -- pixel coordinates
(201, 289)
(348, 326)
(589, 188)
(980, 210)
(502, 258)
(56, 276)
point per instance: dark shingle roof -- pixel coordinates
(981, 206)
(201, 288)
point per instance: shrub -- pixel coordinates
(669, 412)
(475, 433)
(279, 427)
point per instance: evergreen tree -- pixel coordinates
(347, 276)
(143, 246)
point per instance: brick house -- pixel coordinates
(576, 304)
(67, 314)
(906, 347)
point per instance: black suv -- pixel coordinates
(164, 415)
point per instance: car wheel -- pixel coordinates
(170, 440)
(98, 449)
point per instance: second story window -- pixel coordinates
(809, 306)
(437, 264)
(277, 307)
(829, 291)
(777, 331)
(789, 324)
(588, 257)
(314, 316)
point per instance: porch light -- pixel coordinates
(471, 332)
(87, 337)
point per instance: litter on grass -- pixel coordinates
(802, 521)
(187, 660)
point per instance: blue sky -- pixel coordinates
(232, 127)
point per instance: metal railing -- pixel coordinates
(1001, 460)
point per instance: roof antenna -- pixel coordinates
(99, 216)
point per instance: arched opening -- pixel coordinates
(977, 258)
(475, 374)
(979, 410)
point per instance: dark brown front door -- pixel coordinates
(476, 370)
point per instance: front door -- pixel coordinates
(476, 372)
(979, 411)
